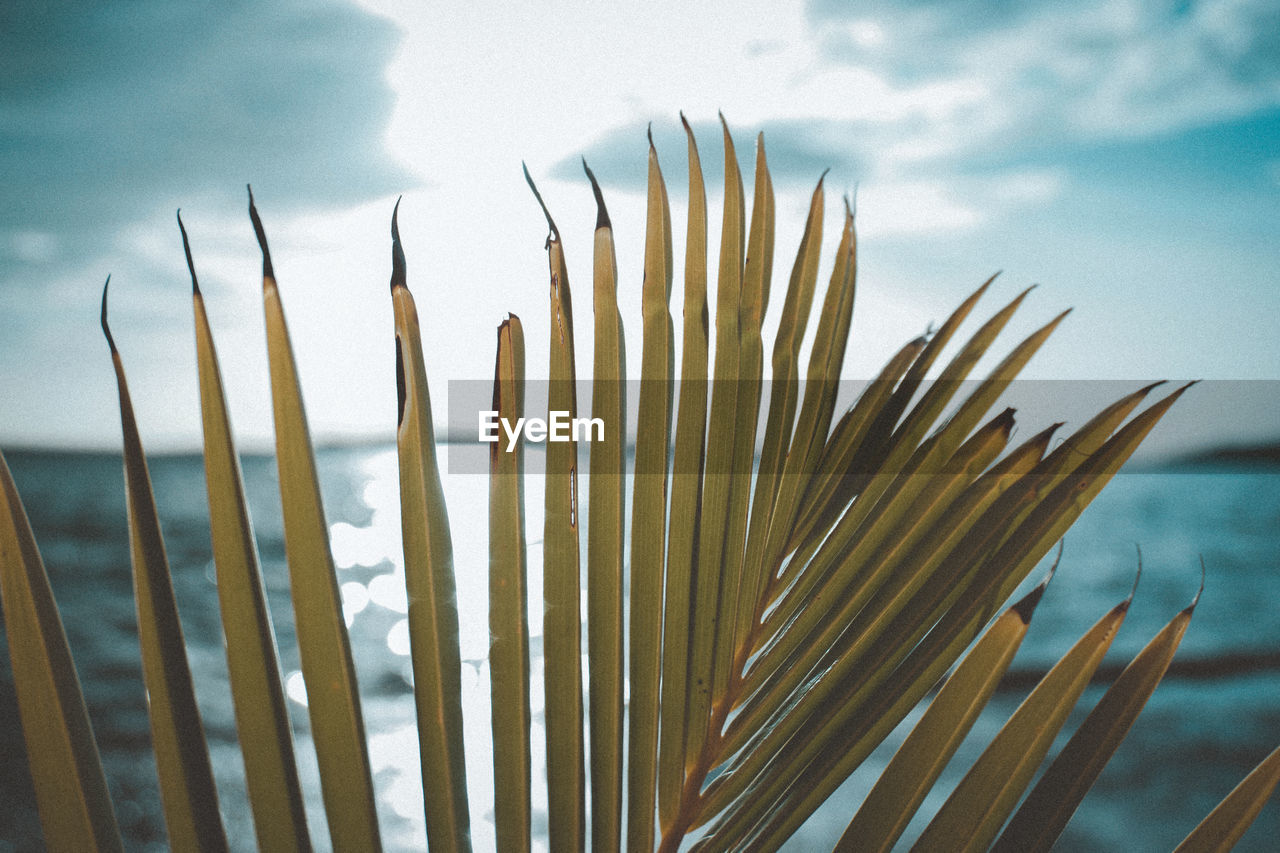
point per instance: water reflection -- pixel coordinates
(367, 545)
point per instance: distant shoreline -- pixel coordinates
(1264, 456)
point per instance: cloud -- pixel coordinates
(797, 151)
(109, 110)
(1089, 70)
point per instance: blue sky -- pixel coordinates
(1124, 155)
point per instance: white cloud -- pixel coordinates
(1028, 187)
(913, 207)
(937, 206)
(1114, 69)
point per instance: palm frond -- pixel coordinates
(786, 611)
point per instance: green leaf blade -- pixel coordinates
(649, 516)
(1224, 826)
(187, 790)
(973, 814)
(253, 662)
(430, 585)
(606, 525)
(333, 701)
(509, 601)
(70, 788)
(686, 498)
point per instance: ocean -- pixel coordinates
(1213, 718)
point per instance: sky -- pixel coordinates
(1122, 155)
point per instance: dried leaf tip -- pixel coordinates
(554, 236)
(267, 271)
(397, 251)
(1190, 608)
(1137, 577)
(602, 215)
(186, 248)
(1004, 421)
(1027, 605)
(822, 179)
(106, 330)
(1046, 434)
(977, 294)
(684, 121)
(649, 133)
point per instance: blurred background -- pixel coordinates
(1121, 154)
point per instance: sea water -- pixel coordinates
(1213, 718)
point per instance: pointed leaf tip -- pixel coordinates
(397, 251)
(1005, 420)
(1192, 606)
(186, 248)
(685, 122)
(106, 330)
(554, 236)
(261, 234)
(602, 215)
(1027, 605)
(1137, 577)
(649, 133)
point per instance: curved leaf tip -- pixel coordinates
(1137, 577)
(1027, 605)
(261, 234)
(106, 330)
(554, 236)
(1005, 421)
(1190, 608)
(397, 250)
(602, 215)
(186, 248)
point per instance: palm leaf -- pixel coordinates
(887, 810)
(429, 581)
(709, 572)
(253, 663)
(562, 625)
(1219, 832)
(686, 498)
(333, 700)
(605, 537)
(649, 515)
(779, 630)
(1053, 800)
(182, 758)
(973, 814)
(509, 600)
(70, 788)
